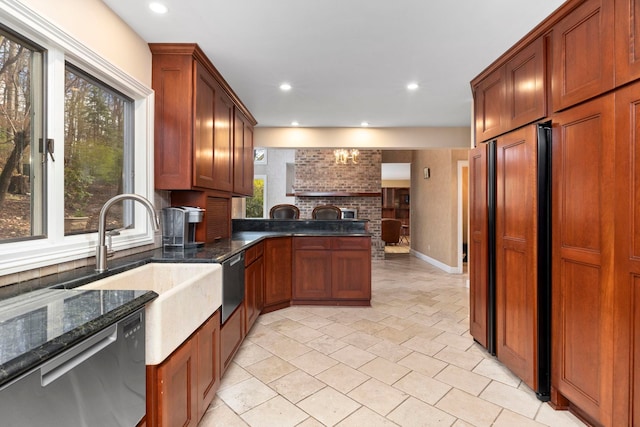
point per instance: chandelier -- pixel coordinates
(343, 156)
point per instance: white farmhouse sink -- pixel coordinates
(188, 295)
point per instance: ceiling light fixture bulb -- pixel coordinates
(412, 86)
(285, 87)
(364, 124)
(158, 7)
(294, 123)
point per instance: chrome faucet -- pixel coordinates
(101, 248)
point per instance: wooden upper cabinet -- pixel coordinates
(195, 122)
(490, 103)
(583, 52)
(513, 94)
(172, 81)
(627, 41)
(205, 92)
(223, 143)
(242, 155)
(525, 80)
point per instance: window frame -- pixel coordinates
(60, 48)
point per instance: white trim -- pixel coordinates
(461, 165)
(61, 47)
(442, 266)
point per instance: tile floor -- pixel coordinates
(408, 360)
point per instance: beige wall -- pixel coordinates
(392, 138)
(434, 204)
(93, 24)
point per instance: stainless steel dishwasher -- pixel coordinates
(232, 285)
(98, 382)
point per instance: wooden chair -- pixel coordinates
(284, 211)
(391, 230)
(326, 212)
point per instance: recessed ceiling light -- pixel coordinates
(412, 86)
(158, 7)
(285, 87)
(294, 123)
(364, 124)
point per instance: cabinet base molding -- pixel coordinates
(345, 303)
(275, 307)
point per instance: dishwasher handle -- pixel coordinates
(233, 261)
(64, 363)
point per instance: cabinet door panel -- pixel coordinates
(242, 155)
(627, 41)
(582, 250)
(173, 120)
(583, 54)
(208, 362)
(203, 138)
(516, 268)
(627, 290)
(231, 336)
(351, 274)
(223, 143)
(278, 271)
(478, 245)
(312, 274)
(177, 378)
(525, 85)
(490, 106)
(254, 283)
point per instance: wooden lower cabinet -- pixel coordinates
(253, 285)
(584, 198)
(231, 336)
(311, 268)
(332, 270)
(351, 268)
(208, 368)
(180, 389)
(277, 269)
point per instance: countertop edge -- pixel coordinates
(33, 359)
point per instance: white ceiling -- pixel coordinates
(348, 60)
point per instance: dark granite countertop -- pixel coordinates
(37, 326)
(42, 317)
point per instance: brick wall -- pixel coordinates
(316, 170)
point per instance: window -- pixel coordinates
(21, 168)
(74, 132)
(256, 205)
(96, 143)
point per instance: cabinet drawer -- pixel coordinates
(315, 243)
(253, 253)
(351, 243)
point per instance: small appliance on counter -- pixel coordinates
(179, 226)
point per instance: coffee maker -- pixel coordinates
(179, 226)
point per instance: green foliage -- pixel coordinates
(76, 184)
(255, 204)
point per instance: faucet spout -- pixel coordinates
(101, 248)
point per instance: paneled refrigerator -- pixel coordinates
(510, 252)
